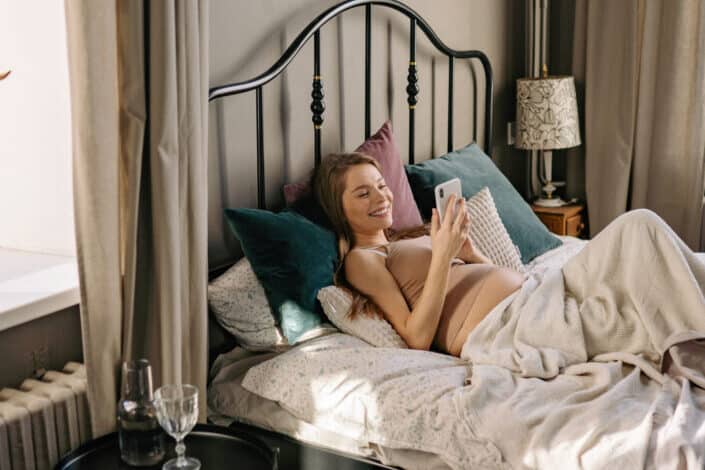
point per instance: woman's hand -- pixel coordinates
(447, 238)
(467, 251)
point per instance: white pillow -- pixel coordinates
(377, 331)
(488, 233)
(239, 304)
(238, 301)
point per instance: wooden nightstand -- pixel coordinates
(566, 220)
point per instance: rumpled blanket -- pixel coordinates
(595, 365)
(600, 364)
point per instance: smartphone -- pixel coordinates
(443, 192)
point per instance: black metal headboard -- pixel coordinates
(317, 105)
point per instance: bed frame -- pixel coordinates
(219, 340)
(257, 83)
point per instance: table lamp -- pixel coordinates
(547, 119)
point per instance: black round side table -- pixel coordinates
(216, 447)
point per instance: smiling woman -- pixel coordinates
(433, 289)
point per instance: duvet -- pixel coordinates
(632, 297)
(598, 364)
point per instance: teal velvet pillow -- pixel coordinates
(476, 170)
(293, 258)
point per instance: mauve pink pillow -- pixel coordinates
(381, 146)
(295, 191)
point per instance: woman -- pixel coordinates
(433, 289)
(636, 288)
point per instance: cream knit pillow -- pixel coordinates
(377, 331)
(488, 233)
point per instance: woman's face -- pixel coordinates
(367, 201)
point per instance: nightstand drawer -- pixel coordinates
(562, 220)
(574, 226)
(553, 222)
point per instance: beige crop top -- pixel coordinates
(473, 289)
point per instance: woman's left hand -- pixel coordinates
(467, 250)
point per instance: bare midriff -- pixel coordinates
(473, 289)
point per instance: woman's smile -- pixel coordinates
(381, 212)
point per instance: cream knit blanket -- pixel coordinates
(600, 364)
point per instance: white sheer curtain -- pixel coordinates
(139, 84)
(642, 63)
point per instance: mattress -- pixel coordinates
(229, 401)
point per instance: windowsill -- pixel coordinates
(33, 285)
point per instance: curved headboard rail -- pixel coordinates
(317, 106)
(298, 43)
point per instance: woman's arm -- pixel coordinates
(368, 273)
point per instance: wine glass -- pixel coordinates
(177, 412)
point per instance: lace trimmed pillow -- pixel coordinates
(239, 304)
(488, 233)
(377, 331)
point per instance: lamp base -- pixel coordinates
(552, 202)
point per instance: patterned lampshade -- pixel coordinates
(547, 114)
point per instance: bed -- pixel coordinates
(361, 388)
(412, 409)
(229, 402)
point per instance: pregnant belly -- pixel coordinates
(473, 291)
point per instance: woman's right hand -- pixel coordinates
(448, 237)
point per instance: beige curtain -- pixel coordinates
(642, 65)
(139, 83)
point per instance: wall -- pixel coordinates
(247, 37)
(36, 205)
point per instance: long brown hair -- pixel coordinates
(328, 182)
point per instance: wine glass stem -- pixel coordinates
(180, 452)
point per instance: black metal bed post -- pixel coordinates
(450, 103)
(261, 203)
(489, 86)
(317, 106)
(368, 67)
(412, 88)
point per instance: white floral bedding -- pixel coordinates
(402, 399)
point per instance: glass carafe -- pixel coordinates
(141, 437)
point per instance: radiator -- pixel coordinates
(43, 419)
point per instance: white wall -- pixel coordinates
(36, 205)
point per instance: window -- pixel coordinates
(37, 248)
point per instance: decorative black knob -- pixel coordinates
(317, 105)
(412, 89)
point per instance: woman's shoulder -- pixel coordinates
(361, 261)
(357, 255)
